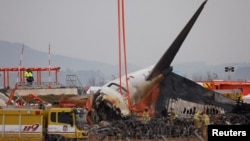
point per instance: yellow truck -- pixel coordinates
(52, 124)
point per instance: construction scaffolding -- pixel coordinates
(5, 75)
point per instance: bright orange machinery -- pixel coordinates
(227, 85)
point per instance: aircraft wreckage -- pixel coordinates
(158, 89)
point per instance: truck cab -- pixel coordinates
(52, 124)
(65, 124)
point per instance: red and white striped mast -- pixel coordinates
(20, 64)
(49, 66)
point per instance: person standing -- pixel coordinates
(145, 114)
(205, 123)
(197, 120)
(29, 76)
(173, 116)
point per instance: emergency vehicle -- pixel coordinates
(52, 124)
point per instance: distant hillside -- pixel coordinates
(87, 71)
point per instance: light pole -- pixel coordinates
(229, 69)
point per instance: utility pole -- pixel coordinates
(229, 69)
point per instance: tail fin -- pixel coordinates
(168, 57)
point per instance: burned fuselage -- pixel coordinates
(151, 87)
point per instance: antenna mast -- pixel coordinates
(20, 64)
(49, 66)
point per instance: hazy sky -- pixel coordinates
(87, 29)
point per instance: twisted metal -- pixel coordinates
(160, 128)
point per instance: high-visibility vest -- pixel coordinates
(28, 74)
(206, 119)
(197, 116)
(145, 116)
